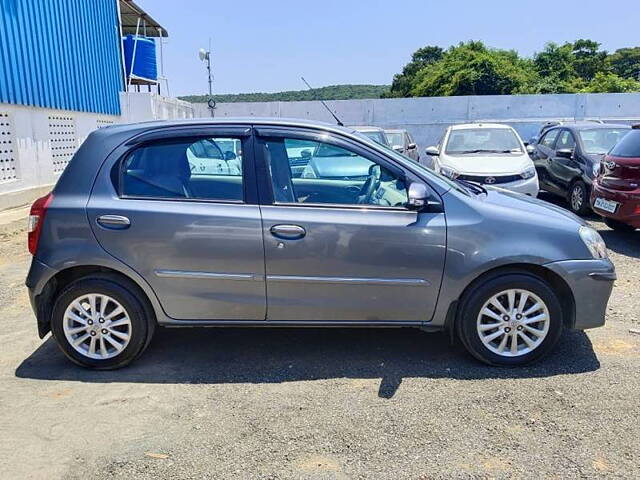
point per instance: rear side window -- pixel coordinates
(629, 146)
(207, 168)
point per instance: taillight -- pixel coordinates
(36, 219)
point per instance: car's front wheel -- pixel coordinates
(510, 320)
(99, 323)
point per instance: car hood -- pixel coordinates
(529, 206)
(487, 164)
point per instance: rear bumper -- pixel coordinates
(38, 275)
(591, 282)
(627, 210)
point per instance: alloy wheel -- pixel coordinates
(577, 197)
(97, 326)
(513, 322)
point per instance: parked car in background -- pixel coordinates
(487, 153)
(374, 133)
(616, 189)
(131, 239)
(556, 123)
(567, 159)
(402, 142)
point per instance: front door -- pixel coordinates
(178, 211)
(340, 244)
(562, 169)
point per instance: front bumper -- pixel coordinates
(591, 282)
(529, 186)
(627, 210)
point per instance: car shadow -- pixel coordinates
(266, 355)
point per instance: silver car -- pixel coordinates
(132, 239)
(402, 142)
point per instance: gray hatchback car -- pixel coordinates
(135, 236)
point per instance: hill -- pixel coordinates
(331, 92)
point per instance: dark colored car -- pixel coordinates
(568, 157)
(556, 123)
(616, 190)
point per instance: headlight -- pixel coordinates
(596, 169)
(529, 173)
(594, 242)
(449, 172)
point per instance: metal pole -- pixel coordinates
(133, 55)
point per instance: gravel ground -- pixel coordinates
(320, 404)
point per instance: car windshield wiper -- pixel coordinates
(484, 150)
(474, 187)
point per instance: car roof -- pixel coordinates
(466, 126)
(591, 126)
(395, 130)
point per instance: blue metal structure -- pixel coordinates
(62, 54)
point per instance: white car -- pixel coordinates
(487, 153)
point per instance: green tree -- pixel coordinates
(555, 62)
(403, 82)
(588, 59)
(473, 69)
(611, 83)
(625, 62)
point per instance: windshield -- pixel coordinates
(483, 140)
(600, 140)
(394, 138)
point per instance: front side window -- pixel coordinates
(482, 140)
(566, 141)
(599, 141)
(207, 168)
(395, 139)
(629, 146)
(332, 175)
(549, 138)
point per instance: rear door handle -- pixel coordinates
(116, 222)
(288, 232)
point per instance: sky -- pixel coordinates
(265, 46)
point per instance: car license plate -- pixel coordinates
(606, 205)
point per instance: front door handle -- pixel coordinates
(117, 222)
(288, 232)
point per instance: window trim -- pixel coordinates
(244, 134)
(264, 133)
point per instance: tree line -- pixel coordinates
(332, 92)
(472, 68)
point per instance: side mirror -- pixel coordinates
(412, 146)
(398, 148)
(433, 151)
(530, 149)
(421, 199)
(565, 153)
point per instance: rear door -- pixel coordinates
(340, 244)
(179, 207)
(543, 156)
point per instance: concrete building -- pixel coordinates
(62, 75)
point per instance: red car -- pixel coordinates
(616, 189)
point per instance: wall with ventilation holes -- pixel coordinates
(36, 144)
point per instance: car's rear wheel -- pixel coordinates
(618, 226)
(579, 198)
(99, 323)
(510, 320)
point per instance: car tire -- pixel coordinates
(618, 226)
(109, 325)
(579, 198)
(475, 328)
